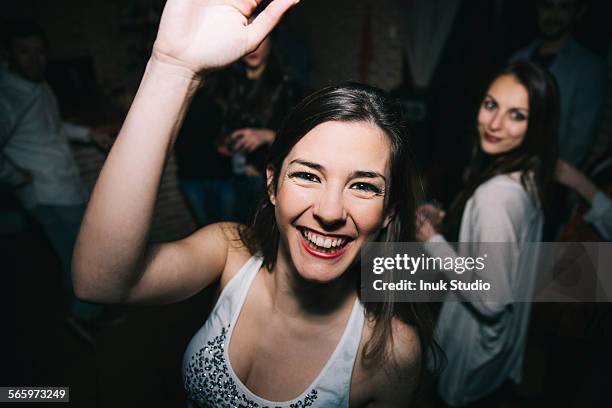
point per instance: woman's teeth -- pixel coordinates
(323, 242)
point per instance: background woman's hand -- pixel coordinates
(434, 214)
(202, 35)
(428, 221)
(425, 230)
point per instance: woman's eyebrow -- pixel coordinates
(355, 174)
(367, 174)
(312, 165)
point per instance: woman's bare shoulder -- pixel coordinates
(393, 382)
(237, 252)
(403, 346)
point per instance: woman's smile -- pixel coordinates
(322, 245)
(328, 204)
(492, 139)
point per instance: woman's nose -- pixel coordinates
(495, 122)
(330, 209)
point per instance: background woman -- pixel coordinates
(506, 187)
(288, 328)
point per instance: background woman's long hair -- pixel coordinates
(535, 158)
(351, 102)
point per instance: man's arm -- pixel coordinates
(9, 172)
(13, 175)
(76, 133)
(84, 134)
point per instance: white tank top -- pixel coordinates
(210, 380)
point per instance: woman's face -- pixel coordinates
(330, 197)
(503, 116)
(258, 57)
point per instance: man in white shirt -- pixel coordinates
(35, 156)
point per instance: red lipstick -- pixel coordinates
(491, 139)
(322, 255)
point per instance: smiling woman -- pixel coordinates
(503, 117)
(288, 328)
(517, 127)
(320, 207)
(331, 198)
(506, 189)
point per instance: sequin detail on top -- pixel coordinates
(209, 384)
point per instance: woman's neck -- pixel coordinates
(256, 72)
(294, 296)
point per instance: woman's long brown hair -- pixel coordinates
(535, 158)
(352, 102)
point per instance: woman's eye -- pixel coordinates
(367, 188)
(517, 116)
(303, 175)
(489, 104)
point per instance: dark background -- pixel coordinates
(98, 50)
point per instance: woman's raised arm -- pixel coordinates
(112, 260)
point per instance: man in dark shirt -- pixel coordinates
(580, 74)
(223, 141)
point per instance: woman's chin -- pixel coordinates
(319, 277)
(490, 150)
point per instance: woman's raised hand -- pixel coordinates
(203, 35)
(113, 261)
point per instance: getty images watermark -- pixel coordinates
(489, 272)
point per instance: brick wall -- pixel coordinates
(171, 220)
(334, 29)
(79, 28)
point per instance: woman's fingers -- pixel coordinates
(429, 217)
(426, 230)
(203, 35)
(239, 145)
(263, 24)
(431, 211)
(238, 134)
(250, 145)
(246, 7)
